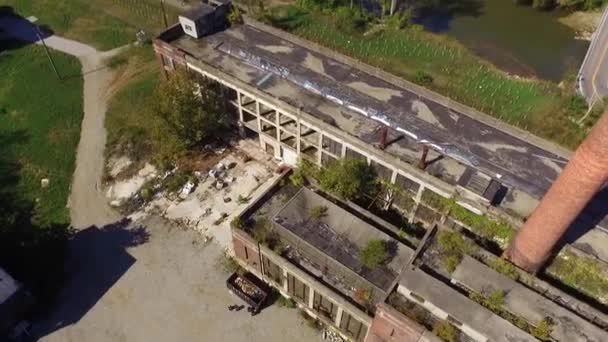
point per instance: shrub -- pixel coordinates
(284, 302)
(495, 300)
(235, 17)
(261, 230)
(506, 268)
(453, 247)
(445, 331)
(348, 179)
(422, 78)
(236, 223)
(317, 212)
(399, 20)
(374, 254)
(542, 331)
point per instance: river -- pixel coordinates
(517, 39)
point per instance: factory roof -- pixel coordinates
(361, 104)
(341, 236)
(525, 303)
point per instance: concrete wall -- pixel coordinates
(241, 240)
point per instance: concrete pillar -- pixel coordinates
(339, 316)
(285, 284)
(311, 297)
(583, 177)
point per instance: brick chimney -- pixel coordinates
(583, 177)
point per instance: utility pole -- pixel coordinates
(46, 49)
(162, 8)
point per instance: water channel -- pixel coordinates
(517, 39)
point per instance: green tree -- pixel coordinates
(190, 106)
(374, 254)
(348, 179)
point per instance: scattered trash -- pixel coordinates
(186, 190)
(44, 182)
(332, 336)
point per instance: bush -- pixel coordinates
(398, 21)
(235, 17)
(543, 4)
(353, 21)
(453, 247)
(422, 78)
(348, 179)
(317, 212)
(374, 254)
(576, 104)
(542, 331)
(445, 331)
(504, 267)
(284, 302)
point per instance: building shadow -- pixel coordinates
(594, 214)
(97, 259)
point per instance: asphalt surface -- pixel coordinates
(593, 76)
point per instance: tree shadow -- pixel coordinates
(17, 32)
(96, 259)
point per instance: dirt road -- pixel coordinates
(157, 282)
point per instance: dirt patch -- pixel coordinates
(584, 23)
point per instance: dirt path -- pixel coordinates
(88, 205)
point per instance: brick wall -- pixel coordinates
(246, 249)
(390, 325)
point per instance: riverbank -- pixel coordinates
(583, 23)
(445, 66)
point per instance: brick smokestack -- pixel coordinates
(583, 177)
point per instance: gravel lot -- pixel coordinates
(157, 282)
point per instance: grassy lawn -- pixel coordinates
(40, 120)
(105, 24)
(537, 106)
(130, 124)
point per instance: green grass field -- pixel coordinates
(105, 24)
(40, 120)
(537, 106)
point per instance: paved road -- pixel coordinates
(593, 76)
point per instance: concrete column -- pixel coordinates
(311, 297)
(343, 152)
(320, 148)
(285, 284)
(339, 316)
(238, 107)
(584, 176)
(298, 136)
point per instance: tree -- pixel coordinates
(374, 254)
(190, 106)
(348, 179)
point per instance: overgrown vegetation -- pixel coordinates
(374, 254)
(445, 331)
(40, 119)
(453, 248)
(581, 273)
(105, 24)
(493, 300)
(317, 213)
(542, 330)
(441, 64)
(506, 268)
(348, 179)
(190, 107)
(484, 226)
(284, 302)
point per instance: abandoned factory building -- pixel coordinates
(303, 102)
